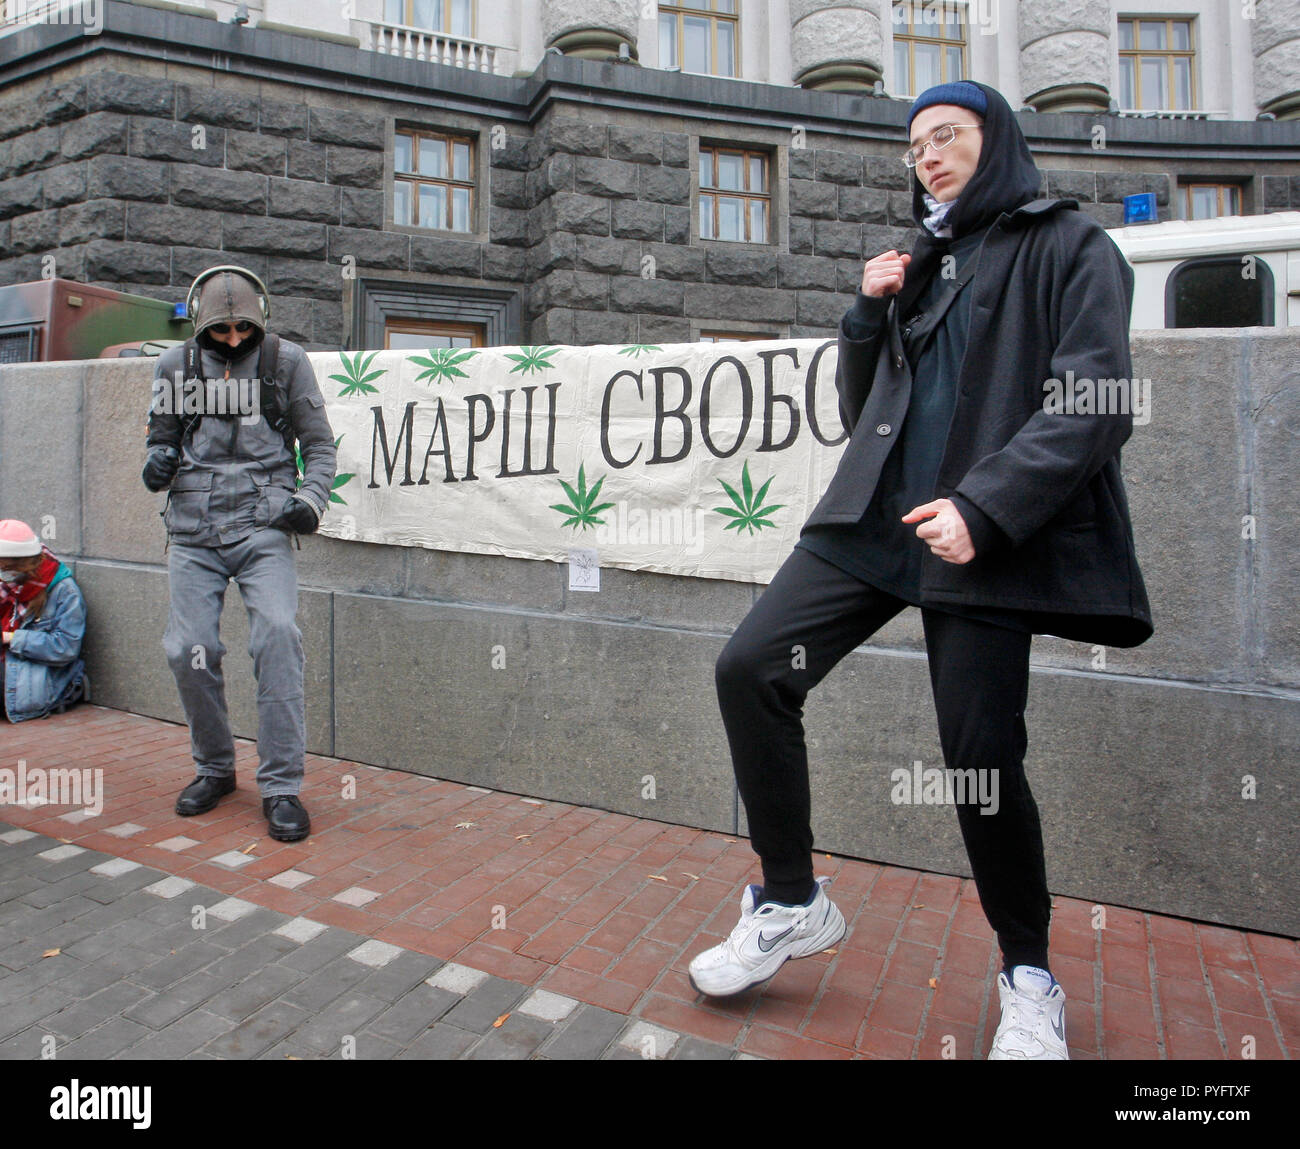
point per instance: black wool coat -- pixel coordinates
(1040, 489)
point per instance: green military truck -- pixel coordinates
(55, 319)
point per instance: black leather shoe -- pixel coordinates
(202, 794)
(286, 820)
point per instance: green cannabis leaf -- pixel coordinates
(443, 363)
(637, 349)
(532, 359)
(581, 510)
(749, 513)
(356, 381)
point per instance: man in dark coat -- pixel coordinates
(967, 491)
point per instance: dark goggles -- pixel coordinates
(243, 327)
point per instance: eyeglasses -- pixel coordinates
(939, 140)
(243, 327)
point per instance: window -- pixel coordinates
(417, 316)
(1221, 291)
(734, 336)
(433, 181)
(1156, 65)
(929, 45)
(455, 17)
(412, 335)
(700, 37)
(735, 203)
(1208, 201)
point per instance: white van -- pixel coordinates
(1234, 271)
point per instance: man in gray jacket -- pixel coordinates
(227, 409)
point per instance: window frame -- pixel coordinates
(409, 5)
(679, 12)
(903, 34)
(448, 137)
(435, 328)
(714, 192)
(1169, 55)
(377, 302)
(1236, 189)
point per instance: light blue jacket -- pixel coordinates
(43, 663)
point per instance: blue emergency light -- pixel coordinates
(179, 312)
(1140, 208)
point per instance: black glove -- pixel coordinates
(297, 517)
(161, 467)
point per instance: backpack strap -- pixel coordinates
(193, 376)
(275, 406)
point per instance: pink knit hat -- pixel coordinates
(17, 540)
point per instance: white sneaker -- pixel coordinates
(1033, 1017)
(763, 939)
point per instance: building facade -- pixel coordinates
(452, 172)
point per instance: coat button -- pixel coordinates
(883, 429)
(898, 362)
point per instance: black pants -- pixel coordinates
(810, 617)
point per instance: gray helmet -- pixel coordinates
(228, 294)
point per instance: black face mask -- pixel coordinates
(251, 342)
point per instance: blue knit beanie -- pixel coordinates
(962, 94)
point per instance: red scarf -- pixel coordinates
(15, 597)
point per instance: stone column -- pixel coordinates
(590, 28)
(1065, 55)
(836, 45)
(1275, 41)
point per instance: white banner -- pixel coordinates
(693, 459)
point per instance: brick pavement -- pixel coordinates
(420, 913)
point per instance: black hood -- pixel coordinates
(1005, 178)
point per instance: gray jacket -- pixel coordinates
(236, 473)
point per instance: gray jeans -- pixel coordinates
(262, 566)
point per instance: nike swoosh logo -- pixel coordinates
(1057, 1028)
(772, 941)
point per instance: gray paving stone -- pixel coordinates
(112, 1038)
(110, 893)
(480, 1009)
(185, 961)
(261, 921)
(346, 1016)
(181, 1038)
(399, 976)
(177, 1000)
(50, 892)
(517, 1039)
(102, 942)
(441, 1042)
(585, 1035)
(84, 1016)
(256, 991)
(17, 988)
(263, 1029)
(21, 1015)
(697, 1049)
(321, 950)
(326, 984)
(248, 959)
(85, 978)
(413, 1013)
(12, 888)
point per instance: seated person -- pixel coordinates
(42, 624)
